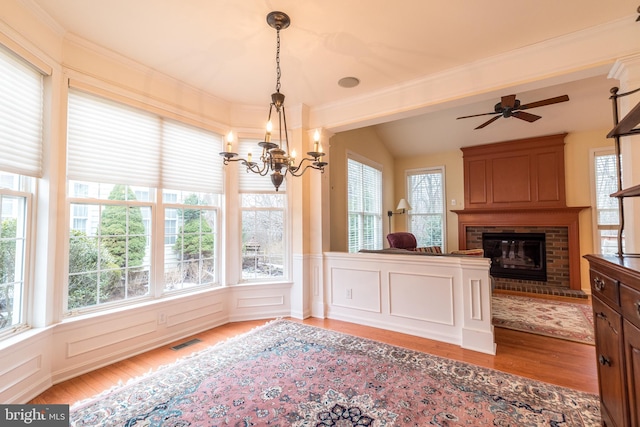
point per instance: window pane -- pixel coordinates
(190, 250)
(607, 213)
(12, 259)
(109, 249)
(263, 240)
(426, 197)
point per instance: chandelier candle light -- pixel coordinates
(275, 157)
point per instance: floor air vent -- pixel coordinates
(186, 344)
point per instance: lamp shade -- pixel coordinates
(403, 205)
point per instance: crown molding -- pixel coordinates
(573, 56)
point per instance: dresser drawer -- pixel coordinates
(630, 304)
(604, 287)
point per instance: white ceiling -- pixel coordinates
(226, 48)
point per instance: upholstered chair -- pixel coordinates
(402, 240)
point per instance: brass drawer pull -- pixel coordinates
(637, 304)
(604, 361)
(601, 315)
(598, 283)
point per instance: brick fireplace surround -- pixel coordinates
(518, 186)
(562, 245)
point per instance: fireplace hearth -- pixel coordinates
(516, 255)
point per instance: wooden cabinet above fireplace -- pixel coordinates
(525, 173)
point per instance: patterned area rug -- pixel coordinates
(557, 319)
(290, 374)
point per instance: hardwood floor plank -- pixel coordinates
(551, 360)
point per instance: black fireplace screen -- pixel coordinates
(516, 255)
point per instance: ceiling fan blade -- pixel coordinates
(488, 122)
(526, 116)
(478, 115)
(508, 101)
(549, 101)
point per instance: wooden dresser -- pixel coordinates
(615, 287)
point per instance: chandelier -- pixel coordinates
(276, 157)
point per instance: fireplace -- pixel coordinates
(519, 187)
(516, 255)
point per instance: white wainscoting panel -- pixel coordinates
(96, 342)
(424, 297)
(25, 365)
(445, 298)
(356, 288)
(197, 313)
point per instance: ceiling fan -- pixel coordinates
(510, 106)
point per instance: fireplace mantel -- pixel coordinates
(549, 217)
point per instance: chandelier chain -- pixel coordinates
(278, 72)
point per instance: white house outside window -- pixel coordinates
(364, 193)
(21, 124)
(425, 193)
(129, 170)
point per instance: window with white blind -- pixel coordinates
(606, 218)
(263, 222)
(425, 194)
(124, 164)
(364, 194)
(21, 124)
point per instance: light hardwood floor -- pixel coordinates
(551, 360)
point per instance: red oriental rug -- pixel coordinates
(552, 318)
(290, 374)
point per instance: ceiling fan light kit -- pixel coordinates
(509, 106)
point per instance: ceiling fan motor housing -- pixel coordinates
(506, 111)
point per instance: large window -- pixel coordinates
(13, 244)
(191, 259)
(425, 193)
(364, 193)
(21, 118)
(144, 200)
(607, 218)
(263, 223)
(109, 255)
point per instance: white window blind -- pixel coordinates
(114, 143)
(250, 182)
(364, 188)
(111, 142)
(190, 158)
(21, 99)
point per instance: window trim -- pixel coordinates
(350, 155)
(287, 256)
(593, 153)
(28, 263)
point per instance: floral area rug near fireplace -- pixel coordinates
(289, 374)
(557, 319)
